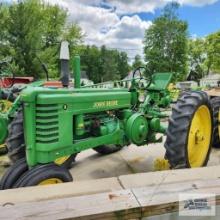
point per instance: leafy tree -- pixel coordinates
(212, 47)
(197, 57)
(25, 28)
(53, 23)
(137, 62)
(31, 30)
(123, 66)
(34, 32)
(4, 30)
(104, 64)
(90, 62)
(166, 43)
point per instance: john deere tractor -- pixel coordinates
(62, 122)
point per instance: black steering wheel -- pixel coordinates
(147, 79)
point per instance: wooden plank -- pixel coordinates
(164, 198)
(41, 193)
(169, 176)
(115, 205)
(124, 204)
(106, 184)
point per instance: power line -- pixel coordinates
(115, 48)
(118, 48)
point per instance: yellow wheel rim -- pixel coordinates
(61, 160)
(50, 181)
(199, 137)
(5, 105)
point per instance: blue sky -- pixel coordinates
(201, 20)
(121, 24)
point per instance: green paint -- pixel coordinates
(76, 69)
(3, 128)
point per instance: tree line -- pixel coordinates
(102, 64)
(168, 47)
(204, 56)
(31, 32)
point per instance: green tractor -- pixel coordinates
(59, 123)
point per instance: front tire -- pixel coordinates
(189, 133)
(13, 173)
(44, 175)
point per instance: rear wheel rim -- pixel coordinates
(50, 181)
(199, 137)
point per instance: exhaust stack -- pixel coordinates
(64, 63)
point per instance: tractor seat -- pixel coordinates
(160, 81)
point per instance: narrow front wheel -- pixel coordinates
(44, 175)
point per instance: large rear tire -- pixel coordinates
(15, 140)
(16, 145)
(215, 102)
(189, 133)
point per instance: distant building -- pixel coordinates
(130, 75)
(84, 79)
(213, 79)
(186, 85)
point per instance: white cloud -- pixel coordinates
(103, 26)
(103, 21)
(130, 28)
(92, 19)
(197, 2)
(134, 6)
(126, 35)
(62, 3)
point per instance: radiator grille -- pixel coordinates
(47, 130)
